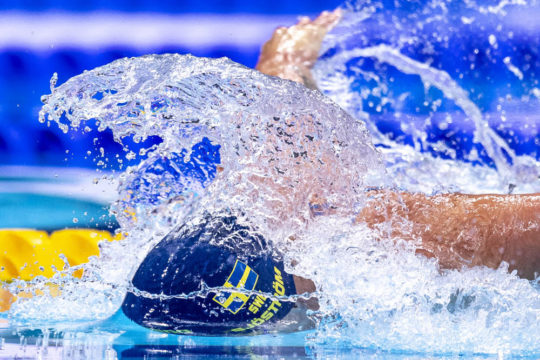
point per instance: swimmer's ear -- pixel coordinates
(292, 52)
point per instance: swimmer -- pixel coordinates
(217, 252)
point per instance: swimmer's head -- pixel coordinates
(211, 278)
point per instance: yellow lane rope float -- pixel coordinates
(25, 254)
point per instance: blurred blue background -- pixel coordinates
(38, 38)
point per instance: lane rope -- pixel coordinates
(27, 253)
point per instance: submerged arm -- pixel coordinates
(463, 230)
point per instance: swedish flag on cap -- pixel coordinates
(219, 254)
(242, 277)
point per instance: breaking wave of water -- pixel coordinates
(230, 139)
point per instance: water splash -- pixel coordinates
(440, 73)
(495, 146)
(454, 58)
(378, 294)
(280, 144)
(270, 147)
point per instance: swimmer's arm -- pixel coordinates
(292, 52)
(463, 230)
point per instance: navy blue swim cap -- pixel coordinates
(216, 252)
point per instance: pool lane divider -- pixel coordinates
(27, 253)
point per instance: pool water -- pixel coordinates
(118, 338)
